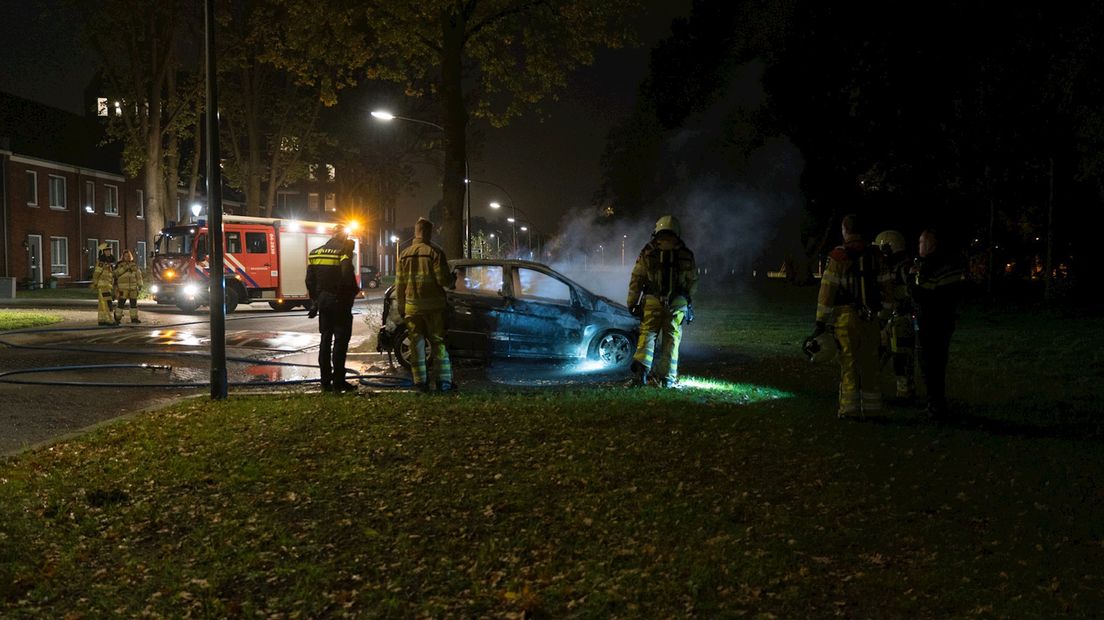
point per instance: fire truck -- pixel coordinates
(264, 259)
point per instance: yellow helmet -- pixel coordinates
(668, 222)
(890, 241)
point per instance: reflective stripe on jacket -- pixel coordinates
(104, 276)
(128, 276)
(666, 269)
(851, 269)
(330, 270)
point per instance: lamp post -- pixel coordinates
(495, 205)
(529, 239)
(385, 116)
(623, 238)
(395, 240)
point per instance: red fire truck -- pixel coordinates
(265, 259)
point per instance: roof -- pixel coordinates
(38, 130)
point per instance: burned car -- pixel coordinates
(521, 309)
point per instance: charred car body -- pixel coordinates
(521, 309)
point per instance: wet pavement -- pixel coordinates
(64, 378)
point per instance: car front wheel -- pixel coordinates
(613, 349)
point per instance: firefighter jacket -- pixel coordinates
(128, 277)
(422, 278)
(664, 269)
(899, 266)
(936, 287)
(103, 277)
(856, 277)
(330, 275)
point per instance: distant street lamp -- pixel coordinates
(196, 210)
(496, 205)
(395, 240)
(623, 238)
(529, 240)
(385, 116)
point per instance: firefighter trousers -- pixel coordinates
(902, 342)
(427, 330)
(335, 323)
(106, 306)
(663, 322)
(123, 296)
(858, 339)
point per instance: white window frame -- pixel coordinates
(50, 190)
(114, 245)
(140, 249)
(141, 207)
(314, 202)
(32, 188)
(90, 196)
(90, 245)
(111, 200)
(55, 263)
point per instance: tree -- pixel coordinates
(139, 46)
(488, 59)
(280, 62)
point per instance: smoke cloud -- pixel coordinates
(735, 191)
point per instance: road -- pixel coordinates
(69, 390)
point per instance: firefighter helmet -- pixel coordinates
(820, 349)
(890, 241)
(103, 246)
(668, 222)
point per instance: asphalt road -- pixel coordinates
(68, 391)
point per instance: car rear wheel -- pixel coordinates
(401, 347)
(613, 349)
(373, 283)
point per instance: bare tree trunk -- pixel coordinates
(1048, 277)
(455, 124)
(197, 141)
(155, 187)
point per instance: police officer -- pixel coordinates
(332, 285)
(421, 279)
(854, 288)
(897, 332)
(936, 286)
(661, 289)
(128, 281)
(103, 280)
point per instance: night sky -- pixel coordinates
(548, 163)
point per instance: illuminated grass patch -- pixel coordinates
(21, 319)
(745, 392)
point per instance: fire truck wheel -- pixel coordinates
(187, 305)
(231, 299)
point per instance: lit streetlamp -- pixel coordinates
(395, 240)
(386, 116)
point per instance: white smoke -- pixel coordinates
(740, 207)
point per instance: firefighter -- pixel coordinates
(332, 285)
(854, 288)
(936, 286)
(103, 280)
(128, 282)
(661, 290)
(897, 332)
(421, 279)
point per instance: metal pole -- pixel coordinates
(467, 205)
(217, 299)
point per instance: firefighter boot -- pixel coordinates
(640, 375)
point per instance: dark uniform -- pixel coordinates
(902, 337)
(332, 284)
(420, 283)
(667, 277)
(936, 288)
(855, 286)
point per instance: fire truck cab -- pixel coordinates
(264, 259)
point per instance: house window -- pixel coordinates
(32, 188)
(59, 256)
(114, 245)
(331, 203)
(111, 200)
(140, 208)
(57, 192)
(89, 197)
(312, 202)
(140, 251)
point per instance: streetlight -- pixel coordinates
(386, 117)
(623, 238)
(498, 243)
(395, 240)
(497, 205)
(529, 240)
(196, 210)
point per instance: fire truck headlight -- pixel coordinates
(190, 290)
(169, 274)
(154, 289)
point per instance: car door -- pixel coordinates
(545, 320)
(476, 323)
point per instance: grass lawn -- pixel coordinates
(69, 292)
(744, 496)
(19, 319)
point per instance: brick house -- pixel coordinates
(62, 192)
